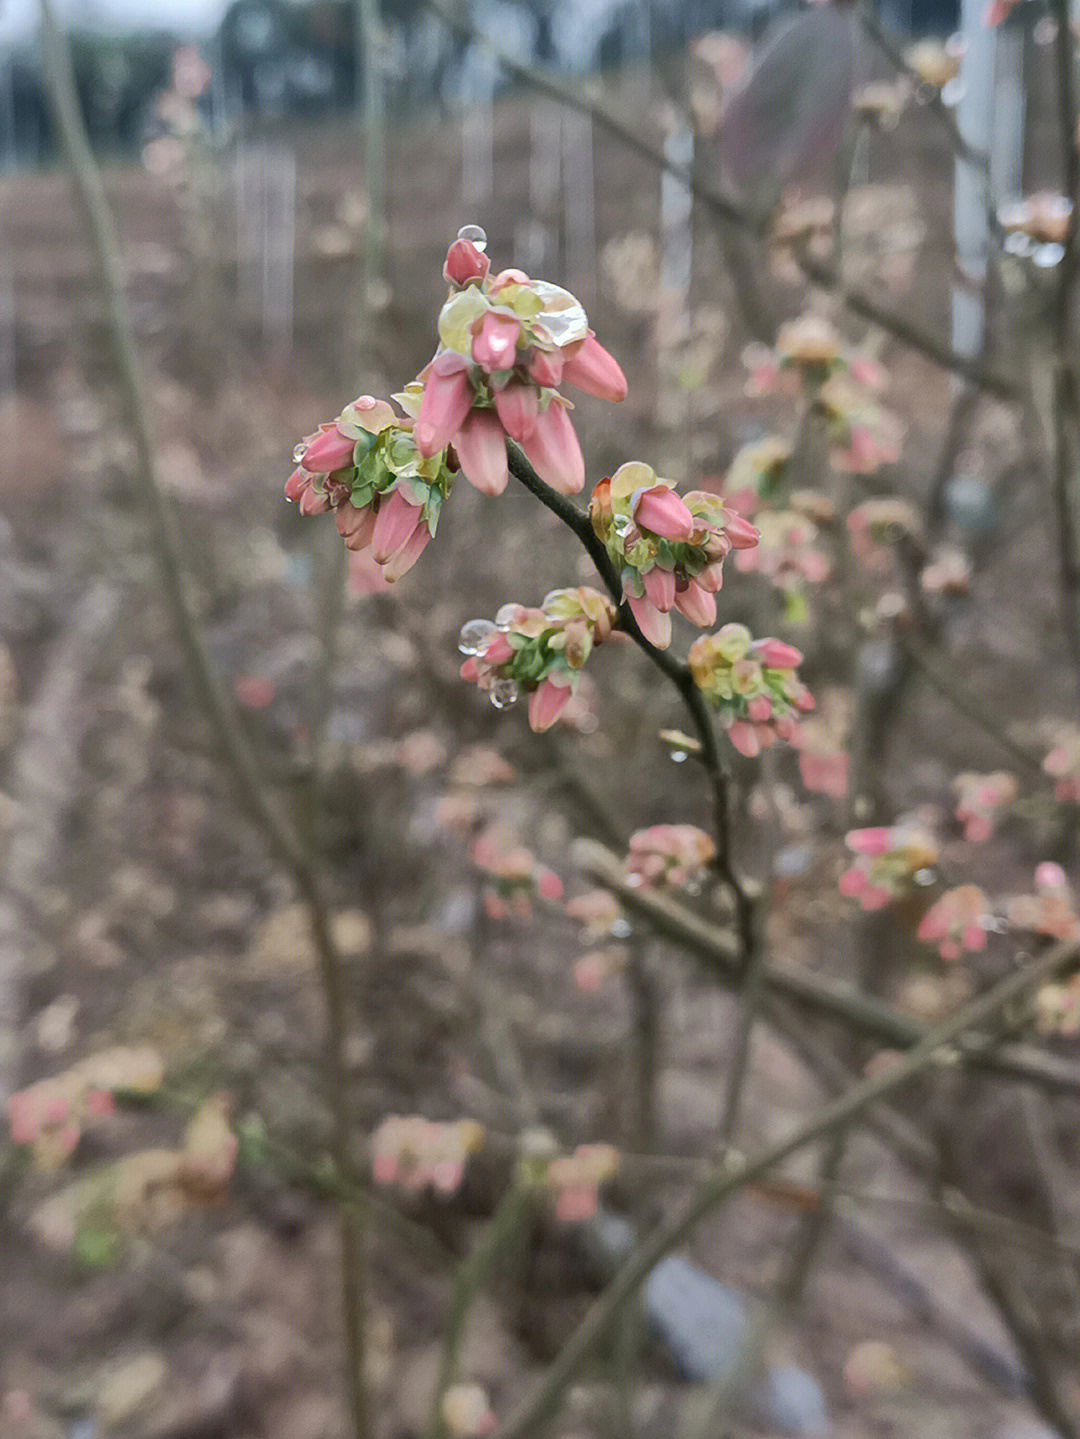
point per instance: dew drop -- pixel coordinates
(621, 929)
(924, 877)
(473, 634)
(504, 616)
(299, 451)
(1017, 243)
(475, 234)
(679, 756)
(504, 693)
(1047, 256)
(623, 525)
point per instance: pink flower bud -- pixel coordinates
(481, 452)
(296, 485)
(1049, 875)
(448, 398)
(549, 886)
(330, 450)
(546, 367)
(591, 368)
(355, 526)
(871, 842)
(852, 883)
(395, 525)
(656, 627)
(402, 562)
(697, 604)
(660, 588)
(760, 709)
(499, 650)
(776, 655)
(741, 534)
(314, 502)
(464, 262)
(546, 704)
(554, 451)
(494, 345)
(518, 409)
(745, 738)
(975, 938)
(662, 512)
(711, 578)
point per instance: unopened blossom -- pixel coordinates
(788, 554)
(957, 923)
(540, 652)
(758, 474)
(877, 526)
(889, 860)
(754, 685)
(506, 345)
(598, 912)
(514, 877)
(1051, 910)
(1062, 764)
(825, 770)
(948, 573)
(863, 434)
(809, 351)
(416, 1153)
(981, 799)
(669, 549)
(366, 467)
(575, 1180)
(669, 856)
(50, 1116)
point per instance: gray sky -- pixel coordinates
(18, 18)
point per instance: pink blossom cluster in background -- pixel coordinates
(982, 798)
(516, 878)
(1051, 910)
(416, 1153)
(51, 1115)
(887, 861)
(669, 856)
(576, 1179)
(957, 922)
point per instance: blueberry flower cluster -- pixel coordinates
(753, 684)
(669, 857)
(540, 652)
(957, 922)
(889, 860)
(669, 551)
(386, 495)
(506, 343)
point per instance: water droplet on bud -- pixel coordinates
(679, 756)
(924, 877)
(475, 235)
(299, 451)
(504, 693)
(472, 636)
(504, 616)
(621, 929)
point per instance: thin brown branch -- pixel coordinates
(831, 998)
(168, 554)
(734, 1176)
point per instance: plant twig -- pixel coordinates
(676, 671)
(836, 1000)
(167, 548)
(727, 1181)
